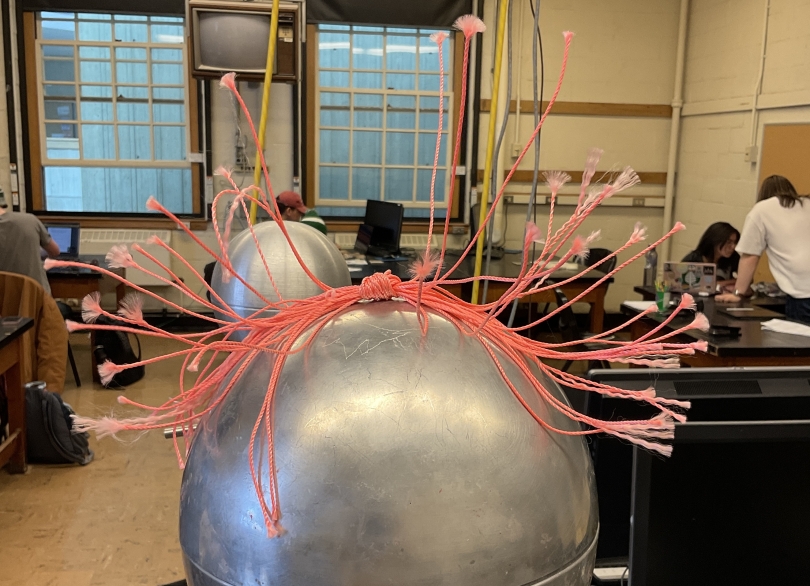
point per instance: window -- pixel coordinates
(377, 112)
(113, 113)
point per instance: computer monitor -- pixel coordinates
(67, 237)
(730, 506)
(754, 394)
(382, 227)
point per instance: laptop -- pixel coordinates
(691, 277)
(67, 237)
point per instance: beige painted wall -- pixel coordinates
(623, 51)
(278, 151)
(724, 51)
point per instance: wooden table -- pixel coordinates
(75, 283)
(509, 267)
(754, 346)
(12, 355)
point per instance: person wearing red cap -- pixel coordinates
(291, 206)
(292, 209)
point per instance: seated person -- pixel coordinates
(717, 246)
(21, 237)
(292, 209)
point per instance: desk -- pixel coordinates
(776, 304)
(509, 266)
(12, 451)
(754, 347)
(73, 283)
(399, 269)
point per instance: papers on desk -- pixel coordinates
(786, 327)
(356, 262)
(638, 305)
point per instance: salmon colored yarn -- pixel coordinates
(281, 334)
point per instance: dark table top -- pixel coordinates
(753, 340)
(12, 328)
(70, 272)
(777, 303)
(508, 266)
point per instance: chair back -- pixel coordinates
(597, 254)
(569, 331)
(45, 345)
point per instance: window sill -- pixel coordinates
(157, 223)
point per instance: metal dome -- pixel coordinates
(318, 252)
(401, 460)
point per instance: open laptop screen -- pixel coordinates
(67, 237)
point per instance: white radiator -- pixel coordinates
(99, 241)
(346, 240)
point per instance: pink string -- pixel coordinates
(281, 335)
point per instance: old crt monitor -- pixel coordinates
(738, 467)
(217, 30)
(381, 228)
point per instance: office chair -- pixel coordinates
(597, 254)
(66, 312)
(569, 332)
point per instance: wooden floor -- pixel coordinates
(113, 522)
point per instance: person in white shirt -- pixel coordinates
(780, 224)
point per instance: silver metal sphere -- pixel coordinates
(401, 460)
(320, 255)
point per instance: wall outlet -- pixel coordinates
(638, 202)
(515, 149)
(751, 154)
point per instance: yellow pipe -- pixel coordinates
(484, 201)
(268, 79)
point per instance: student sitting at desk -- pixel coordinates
(21, 237)
(780, 224)
(292, 209)
(717, 246)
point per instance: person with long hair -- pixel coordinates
(717, 245)
(780, 224)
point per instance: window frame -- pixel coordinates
(312, 131)
(33, 98)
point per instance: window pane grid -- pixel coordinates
(98, 79)
(373, 46)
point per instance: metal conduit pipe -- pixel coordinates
(674, 133)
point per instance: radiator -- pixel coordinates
(99, 241)
(418, 242)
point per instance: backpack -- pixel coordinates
(115, 346)
(48, 435)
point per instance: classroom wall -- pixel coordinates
(623, 51)
(5, 180)
(227, 126)
(724, 53)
